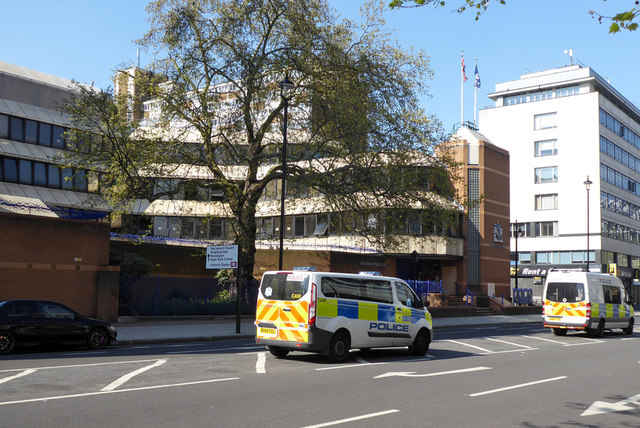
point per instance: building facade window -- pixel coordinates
(546, 148)
(548, 174)
(546, 228)
(544, 121)
(547, 202)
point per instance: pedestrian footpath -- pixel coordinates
(139, 331)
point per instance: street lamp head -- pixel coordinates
(588, 183)
(285, 87)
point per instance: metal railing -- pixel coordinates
(425, 287)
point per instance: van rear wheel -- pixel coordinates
(339, 347)
(278, 352)
(560, 331)
(598, 331)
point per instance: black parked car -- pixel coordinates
(38, 321)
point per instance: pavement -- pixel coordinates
(134, 331)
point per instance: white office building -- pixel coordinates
(562, 128)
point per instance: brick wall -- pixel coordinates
(60, 260)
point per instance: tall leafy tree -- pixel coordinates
(358, 140)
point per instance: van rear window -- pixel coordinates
(284, 286)
(565, 292)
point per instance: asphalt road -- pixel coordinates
(519, 376)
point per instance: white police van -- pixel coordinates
(330, 313)
(579, 300)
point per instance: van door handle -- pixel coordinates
(286, 309)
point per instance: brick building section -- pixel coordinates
(66, 261)
(473, 152)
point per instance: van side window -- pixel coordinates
(356, 289)
(611, 294)
(407, 297)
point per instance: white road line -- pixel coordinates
(24, 373)
(509, 343)
(590, 342)
(116, 391)
(629, 338)
(260, 364)
(508, 351)
(353, 419)
(470, 346)
(116, 383)
(350, 366)
(507, 388)
(83, 353)
(80, 365)
(243, 348)
(543, 338)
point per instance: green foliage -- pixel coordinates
(621, 21)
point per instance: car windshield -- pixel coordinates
(565, 292)
(284, 286)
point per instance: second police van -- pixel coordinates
(330, 313)
(579, 300)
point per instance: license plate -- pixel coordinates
(268, 331)
(555, 318)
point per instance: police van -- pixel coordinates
(330, 313)
(579, 300)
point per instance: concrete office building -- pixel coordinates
(563, 128)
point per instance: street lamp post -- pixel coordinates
(588, 184)
(518, 234)
(285, 87)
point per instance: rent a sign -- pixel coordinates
(222, 257)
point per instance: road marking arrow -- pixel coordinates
(600, 407)
(413, 374)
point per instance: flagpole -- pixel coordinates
(461, 88)
(475, 99)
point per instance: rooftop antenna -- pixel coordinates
(138, 56)
(570, 53)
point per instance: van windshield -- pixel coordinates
(565, 292)
(284, 286)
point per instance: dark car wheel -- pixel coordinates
(278, 352)
(98, 338)
(629, 328)
(7, 342)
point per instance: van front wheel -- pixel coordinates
(629, 329)
(420, 345)
(339, 347)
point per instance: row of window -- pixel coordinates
(616, 152)
(620, 206)
(32, 131)
(25, 171)
(619, 180)
(535, 229)
(620, 232)
(541, 95)
(614, 125)
(556, 257)
(296, 226)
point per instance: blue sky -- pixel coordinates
(86, 40)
